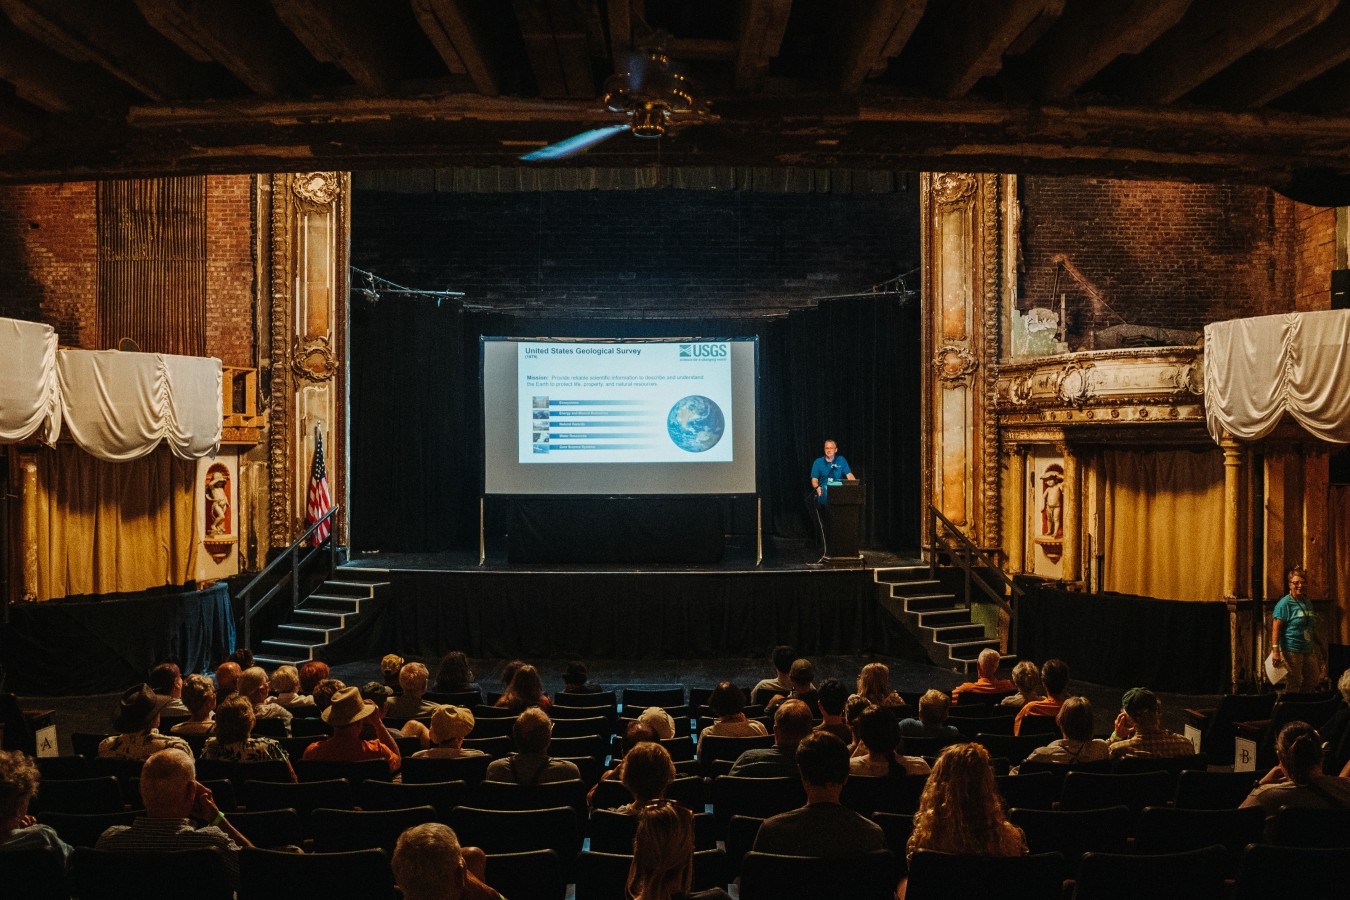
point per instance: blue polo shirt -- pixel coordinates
(825, 471)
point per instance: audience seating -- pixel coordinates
(495, 726)
(943, 876)
(442, 796)
(1013, 748)
(1164, 829)
(698, 697)
(1306, 873)
(1217, 725)
(1059, 770)
(589, 767)
(116, 875)
(716, 747)
(62, 767)
(240, 772)
(124, 770)
(222, 791)
(758, 797)
(1040, 725)
(340, 830)
(636, 699)
(466, 699)
(329, 770)
(897, 827)
(278, 875)
(270, 828)
(1193, 874)
(603, 876)
(527, 875)
(612, 832)
(973, 726)
(1036, 791)
(770, 876)
(595, 746)
(1313, 711)
(469, 769)
(601, 699)
(495, 747)
(79, 795)
(85, 744)
(680, 748)
(303, 797)
(1072, 833)
(891, 793)
(34, 873)
(295, 747)
(1212, 790)
(989, 700)
(1090, 790)
(271, 728)
(1295, 826)
(589, 726)
(83, 829)
(500, 795)
(1172, 765)
(515, 831)
(924, 746)
(303, 727)
(740, 840)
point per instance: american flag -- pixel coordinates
(319, 501)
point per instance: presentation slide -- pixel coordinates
(619, 416)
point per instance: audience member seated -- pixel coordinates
(1298, 780)
(137, 727)
(728, 703)
(822, 828)
(1139, 730)
(832, 697)
(801, 674)
(634, 733)
(660, 722)
(323, 692)
(411, 704)
(932, 720)
(1027, 679)
(429, 864)
(960, 809)
(347, 714)
(311, 673)
(1077, 744)
(174, 800)
(390, 665)
(255, 685)
(531, 764)
(663, 856)
(524, 691)
(286, 684)
(166, 679)
(647, 771)
(199, 696)
(853, 710)
(791, 723)
(19, 779)
(874, 686)
(234, 741)
(781, 684)
(242, 657)
(577, 679)
(987, 682)
(509, 672)
(879, 733)
(1334, 729)
(455, 675)
(450, 725)
(227, 678)
(1055, 679)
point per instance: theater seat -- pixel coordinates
(117, 875)
(277, 875)
(1193, 874)
(943, 876)
(770, 876)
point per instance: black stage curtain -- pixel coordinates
(847, 370)
(618, 531)
(614, 615)
(1109, 638)
(64, 647)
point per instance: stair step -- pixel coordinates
(331, 603)
(968, 650)
(912, 588)
(303, 634)
(900, 574)
(931, 603)
(275, 647)
(319, 618)
(940, 618)
(271, 661)
(956, 634)
(362, 590)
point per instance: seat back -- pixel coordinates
(1212, 790)
(1296, 826)
(329, 770)
(891, 793)
(441, 796)
(272, 728)
(897, 827)
(589, 726)
(594, 745)
(972, 726)
(1216, 740)
(1038, 790)
(1172, 765)
(468, 769)
(1304, 872)
(79, 795)
(277, 875)
(770, 876)
(504, 796)
(495, 747)
(636, 699)
(34, 873)
(118, 874)
(1165, 829)
(85, 743)
(756, 797)
(942, 876)
(1091, 790)
(62, 767)
(467, 699)
(304, 797)
(240, 772)
(530, 874)
(1014, 748)
(588, 767)
(1314, 712)
(1071, 833)
(1039, 725)
(716, 747)
(516, 831)
(83, 829)
(270, 828)
(1194, 874)
(340, 830)
(600, 699)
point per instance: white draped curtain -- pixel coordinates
(30, 394)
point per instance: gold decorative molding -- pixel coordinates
(280, 471)
(990, 330)
(317, 187)
(953, 187)
(314, 360)
(953, 364)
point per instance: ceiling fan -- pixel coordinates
(653, 98)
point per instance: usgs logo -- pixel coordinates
(704, 351)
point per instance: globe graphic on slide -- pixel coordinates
(695, 424)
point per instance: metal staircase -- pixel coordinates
(339, 607)
(941, 620)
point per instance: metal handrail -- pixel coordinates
(968, 554)
(293, 576)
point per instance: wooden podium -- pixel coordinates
(843, 524)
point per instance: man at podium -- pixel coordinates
(827, 470)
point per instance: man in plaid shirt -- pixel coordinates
(1139, 730)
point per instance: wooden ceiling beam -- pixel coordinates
(244, 36)
(557, 45)
(51, 82)
(760, 38)
(347, 35)
(1090, 36)
(1268, 74)
(620, 24)
(1328, 94)
(1213, 35)
(453, 29)
(124, 46)
(867, 40)
(19, 122)
(974, 37)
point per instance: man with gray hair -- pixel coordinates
(791, 723)
(255, 686)
(180, 814)
(987, 682)
(531, 764)
(429, 864)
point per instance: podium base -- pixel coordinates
(843, 562)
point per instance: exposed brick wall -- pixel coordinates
(49, 263)
(1166, 254)
(1314, 255)
(629, 250)
(49, 258)
(230, 273)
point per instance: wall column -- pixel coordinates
(28, 527)
(1232, 515)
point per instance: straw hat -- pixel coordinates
(449, 722)
(347, 706)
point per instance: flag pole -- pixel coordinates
(482, 541)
